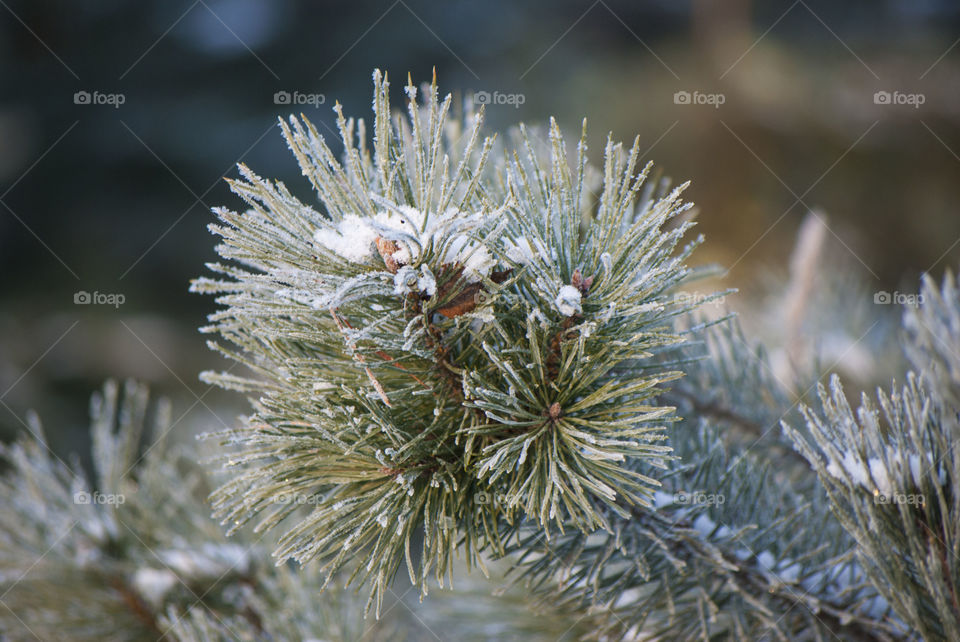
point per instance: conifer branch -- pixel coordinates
(438, 331)
(891, 470)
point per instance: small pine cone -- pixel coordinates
(387, 250)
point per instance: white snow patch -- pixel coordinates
(352, 238)
(568, 301)
(405, 280)
(520, 251)
(876, 476)
(853, 467)
(766, 560)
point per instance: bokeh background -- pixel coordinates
(119, 120)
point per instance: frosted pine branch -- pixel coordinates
(440, 329)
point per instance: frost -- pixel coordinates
(766, 560)
(607, 312)
(523, 453)
(405, 280)
(791, 573)
(352, 238)
(519, 251)
(427, 283)
(537, 315)
(854, 469)
(704, 525)
(153, 584)
(662, 499)
(211, 560)
(568, 301)
(476, 260)
(880, 476)
(483, 315)
(606, 261)
(875, 475)
(478, 264)
(301, 296)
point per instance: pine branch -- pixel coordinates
(933, 334)
(131, 553)
(891, 474)
(729, 549)
(440, 329)
(730, 381)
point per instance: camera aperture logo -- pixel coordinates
(298, 98)
(498, 98)
(98, 298)
(96, 497)
(83, 97)
(899, 98)
(683, 97)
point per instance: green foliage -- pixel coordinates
(932, 332)
(728, 551)
(892, 472)
(439, 332)
(131, 553)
